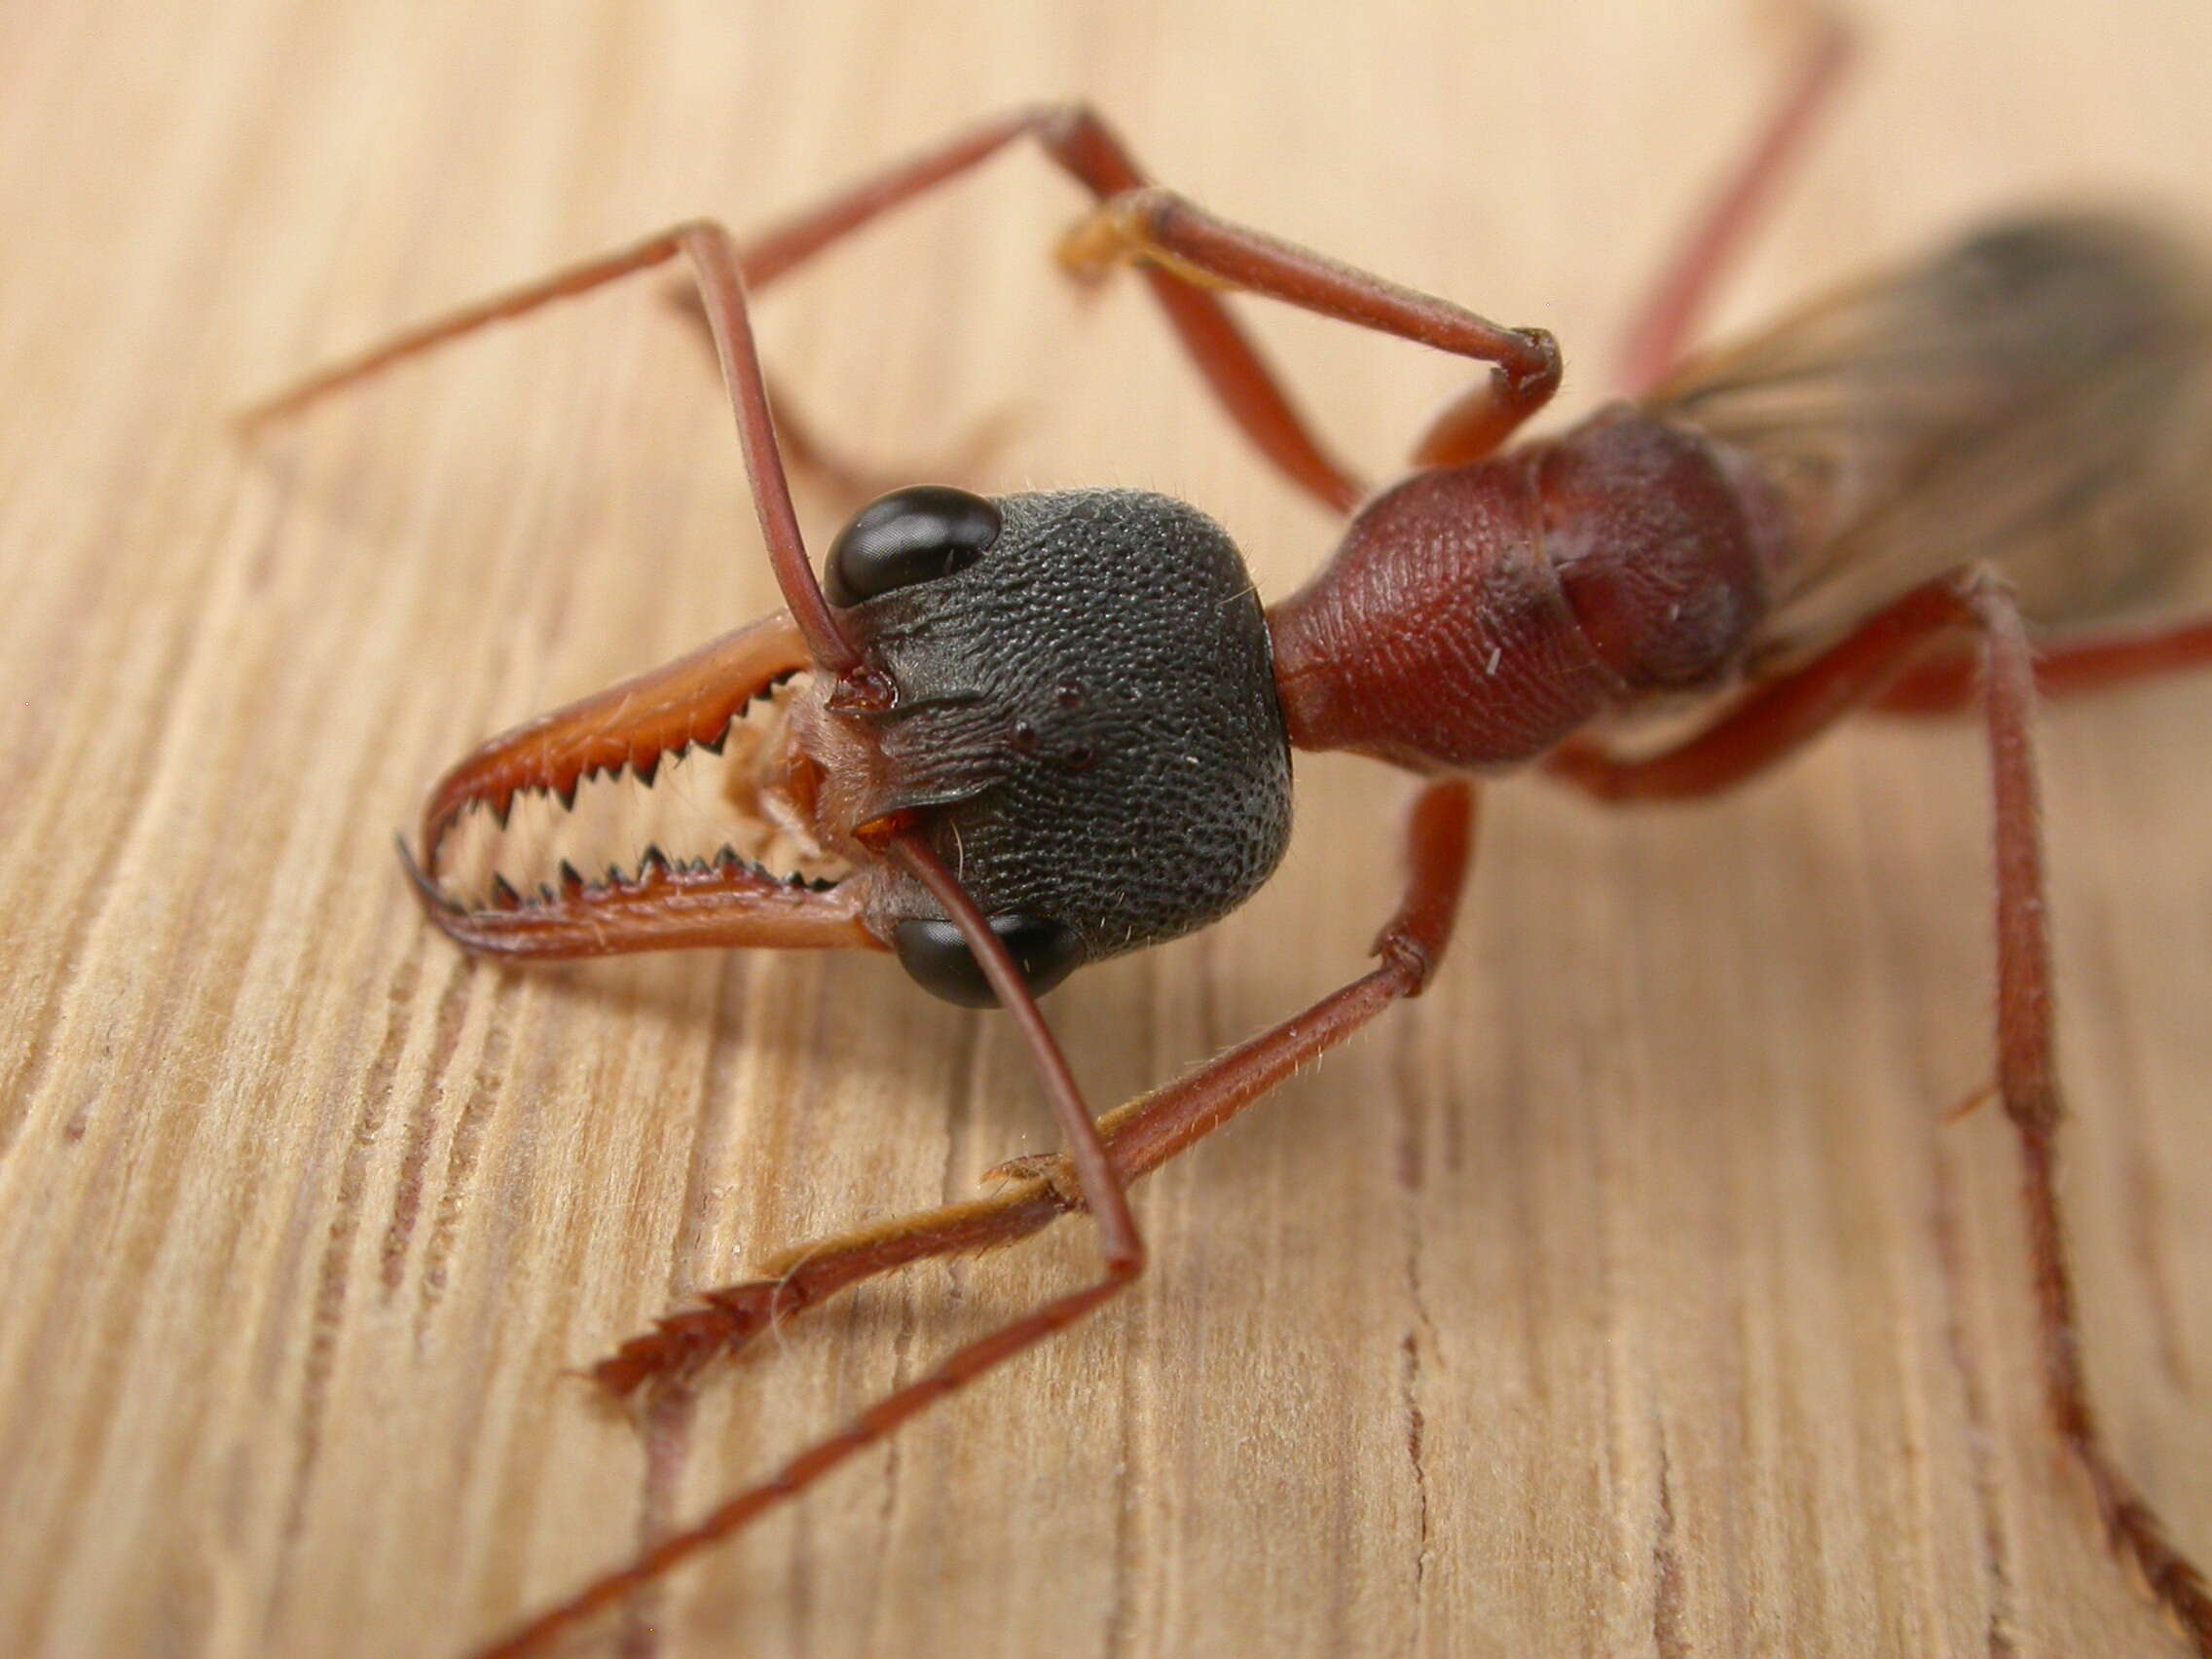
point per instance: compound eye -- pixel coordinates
(939, 960)
(910, 535)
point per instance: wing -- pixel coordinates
(2039, 395)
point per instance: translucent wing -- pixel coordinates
(2039, 397)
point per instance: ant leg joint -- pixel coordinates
(1059, 124)
(1540, 375)
(1133, 227)
(1407, 960)
(1980, 585)
(1053, 1168)
(2036, 1108)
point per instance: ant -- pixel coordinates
(1029, 733)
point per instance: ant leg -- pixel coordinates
(1154, 1129)
(1139, 1136)
(1073, 136)
(718, 265)
(2065, 667)
(1078, 139)
(690, 701)
(1171, 237)
(2027, 1082)
(1772, 721)
(1654, 342)
(1119, 1244)
(1896, 664)
(1165, 233)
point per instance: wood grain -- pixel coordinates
(1625, 1296)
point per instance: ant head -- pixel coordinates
(1082, 722)
(1067, 699)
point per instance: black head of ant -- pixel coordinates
(1084, 722)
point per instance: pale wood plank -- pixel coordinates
(1715, 1341)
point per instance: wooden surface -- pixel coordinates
(1626, 1296)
